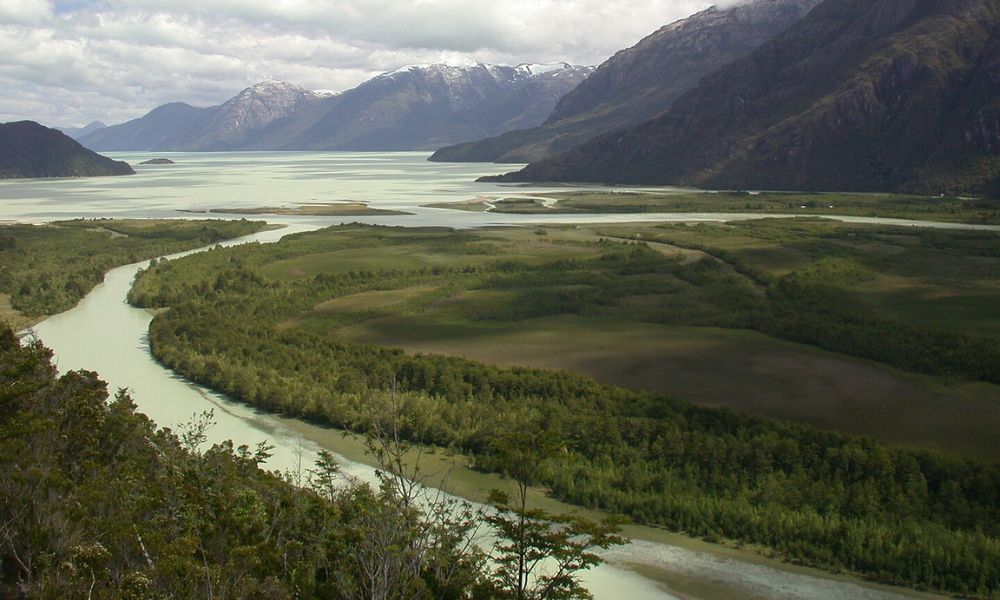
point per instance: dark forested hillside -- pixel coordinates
(640, 82)
(28, 149)
(859, 95)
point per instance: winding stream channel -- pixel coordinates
(104, 334)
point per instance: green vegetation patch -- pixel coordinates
(97, 502)
(898, 206)
(46, 269)
(245, 321)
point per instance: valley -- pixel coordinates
(437, 290)
(535, 301)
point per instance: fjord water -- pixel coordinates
(106, 335)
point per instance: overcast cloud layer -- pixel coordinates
(66, 63)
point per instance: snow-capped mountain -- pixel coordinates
(421, 107)
(252, 109)
(640, 82)
(413, 108)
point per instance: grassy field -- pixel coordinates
(945, 282)
(740, 369)
(928, 208)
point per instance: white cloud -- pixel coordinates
(25, 12)
(72, 61)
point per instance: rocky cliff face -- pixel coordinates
(415, 108)
(859, 95)
(642, 81)
(28, 149)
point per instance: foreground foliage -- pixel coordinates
(96, 502)
(823, 498)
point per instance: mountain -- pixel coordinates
(642, 81)
(28, 149)
(859, 95)
(235, 123)
(415, 108)
(167, 127)
(425, 107)
(179, 126)
(78, 132)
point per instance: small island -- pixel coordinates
(158, 161)
(313, 209)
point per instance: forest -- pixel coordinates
(46, 269)
(96, 501)
(258, 323)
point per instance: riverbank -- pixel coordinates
(450, 471)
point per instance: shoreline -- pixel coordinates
(449, 471)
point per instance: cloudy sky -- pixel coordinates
(68, 62)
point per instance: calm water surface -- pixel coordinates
(106, 335)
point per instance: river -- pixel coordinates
(104, 334)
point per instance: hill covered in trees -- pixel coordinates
(28, 149)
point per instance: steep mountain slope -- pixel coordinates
(28, 149)
(78, 132)
(642, 81)
(167, 127)
(424, 107)
(859, 95)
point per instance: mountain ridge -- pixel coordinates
(640, 82)
(890, 95)
(417, 107)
